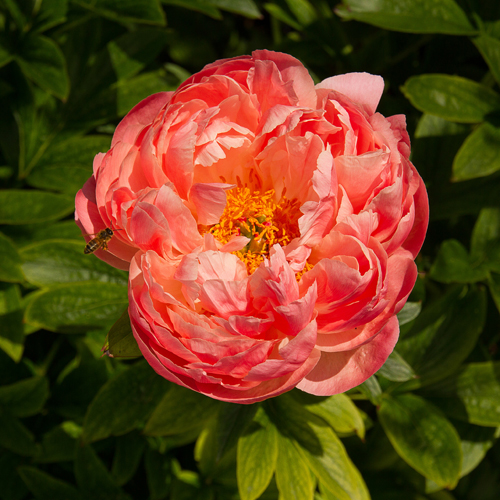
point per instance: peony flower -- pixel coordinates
(269, 226)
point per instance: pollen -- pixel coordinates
(259, 217)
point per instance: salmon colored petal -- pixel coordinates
(338, 372)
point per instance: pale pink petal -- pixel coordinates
(361, 88)
(209, 200)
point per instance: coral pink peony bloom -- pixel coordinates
(269, 225)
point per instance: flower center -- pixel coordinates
(259, 217)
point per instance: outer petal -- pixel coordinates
(338, 372)
(361, 88)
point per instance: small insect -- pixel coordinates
(100, 241)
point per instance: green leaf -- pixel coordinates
(454, 265)
(396, 369)
(134, 90)
(6, 54)
(246, 8)
(490, 50)
(303, 11)
(444, 334)
(473, 394)
(51, 262)
(413, 16)
(145, 11)
(494, 286)
(26, 397)
(323, 450)
(76, 307)
(338, 410)
(475, 442)
(16, 13)
(51, 13)
(124, 403)
(256, 457)
(196, 5)
(14, 436)
(467, 197)
(423, 438)
(13, 486)
(128, 454)
(158, 473)
(57, 445)
(371, 389)
(29, 206)
(131, 52)
(42, 61)
(280, 14)
(93, 479)
(45, 487)
(293, 476)
(11, 321)
(66, 166)
(409, 312)
(120, 342)
(221, 436)
(73, 393)
(10, 264)
(451, 97)
(486, 232)
(479, 155)
(179, 411)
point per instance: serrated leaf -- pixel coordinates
(180, 410)
(26, 397)
(145, 11)
(120, 342)
(490, 50)
(93, 479)
(413, 16)
(42, 61)
(123, 403)
(323, 450)
(409, 312)
(472, 394)
(30, 206)
(451, 97)
(444, 334)
(52, 262)
(423, 437)
(454, 265)
(256, 457)
(14, 436)
(10, 264)
(371, 389)
(45, 487)
(293, 476)
(76, 307)
(479, 155)
(396, 369)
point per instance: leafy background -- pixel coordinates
(74, 425)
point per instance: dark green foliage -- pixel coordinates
(76, 425)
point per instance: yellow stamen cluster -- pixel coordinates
(260, 218)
